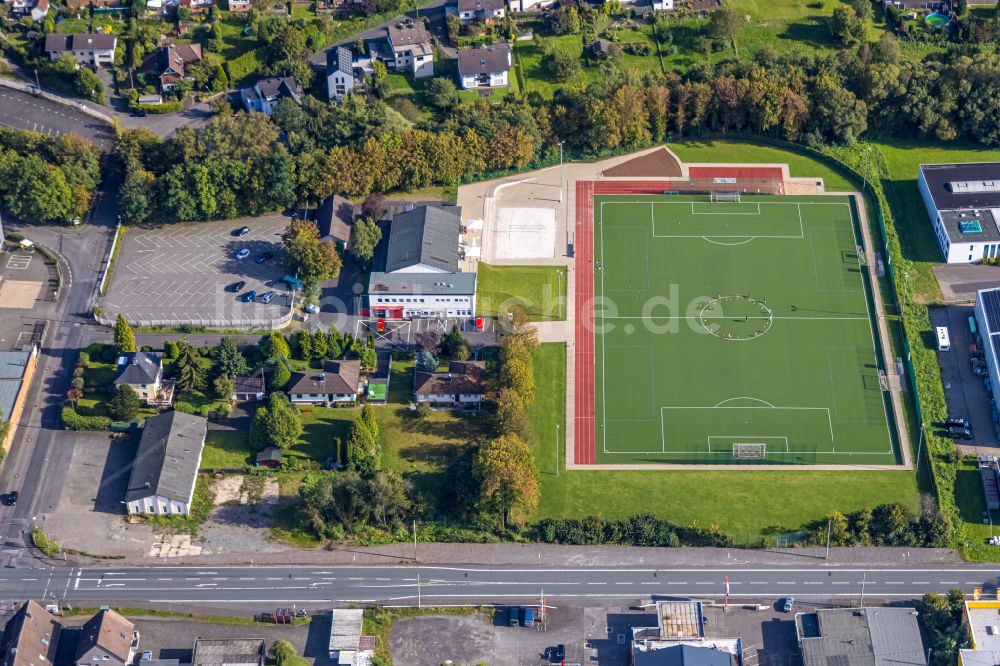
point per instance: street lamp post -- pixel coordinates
(561, 170)
(557, 449)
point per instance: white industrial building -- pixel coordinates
(166, 465)
(963, 201)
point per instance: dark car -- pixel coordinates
(560, 652)
(959, 433)
(514, 619)
(10, 499)
(237, 287)
(249, 296)
(956, 423)
(261, 258)
(141, 113)
(242, 231)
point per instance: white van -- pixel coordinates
(943, 339)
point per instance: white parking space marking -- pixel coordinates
(19, 262)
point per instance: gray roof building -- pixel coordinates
(963, 186)
(139, 368)
(105, 637)
(166, 464)
(81, 42)
(480, 5)
(493, 58)
(228, 652)
(462, 377)
(335, 218)
(459, 284)
(861, 637)
(424, 240)
(407, 34)
(683, 655)
(339, 60)
(13, 365)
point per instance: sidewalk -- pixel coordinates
(547, 555)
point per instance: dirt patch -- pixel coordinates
(229, 490)
(657, 164)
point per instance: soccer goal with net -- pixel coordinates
(749, 450)
(729, 197)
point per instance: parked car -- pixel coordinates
(237, 287)
(528, 617)
(787, 605)
(10, 499)
(560, 653)
(956, 423)
(242, 231)
(249, 296)
(243, 254)
(311, 308)
(147, 655)
(262, 257)
(268, 296)
(515, 616)
(959, 433)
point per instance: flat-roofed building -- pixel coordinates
(861, 637)
(963, 202)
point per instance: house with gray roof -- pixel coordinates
(264, 95)
(339, 73)
(143, 371)
(228, 652)
(484, 68)
(409, 43)
(462, 386)
(470, 11)
(166, 464)
(861, 637)
(91, 49)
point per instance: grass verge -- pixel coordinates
(540, 290)
(42, 543)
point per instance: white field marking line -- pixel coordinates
(829, 364)
(604, 390)
(663, 425)
(709, 240)
(671, 317)
(812, 253)
(713, 203)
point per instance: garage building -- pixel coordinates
(988, 323)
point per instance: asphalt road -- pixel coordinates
(319, 586)
(38, 459)
(23, 111)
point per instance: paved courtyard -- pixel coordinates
(178, 273)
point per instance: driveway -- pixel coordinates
(26, 112)
(179, 273)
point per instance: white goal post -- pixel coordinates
(730, 197)
(749, 450)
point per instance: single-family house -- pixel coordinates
(143, 371)
(530, 5)
(196, 5)
(169, 63)
(39, 10)
(91, 49)
(249, 388)
(470, 11)
(166, 464)
(339, 73)
(463, 385)
(335, 219)
(76, 5)
(239, 6)
(263, 96)
(338, 381)
(485, 67)
(30, 637)
(228, 652)
(269, 457)
(107, 638)
(410, 48)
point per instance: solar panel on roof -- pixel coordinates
(991, 305)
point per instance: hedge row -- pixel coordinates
(73, 421)
(243, 66)
(166, 107)
(639, 530)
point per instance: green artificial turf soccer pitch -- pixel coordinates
(742, 324)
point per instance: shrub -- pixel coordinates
(73, 421)
(186, 407)
(243, 66)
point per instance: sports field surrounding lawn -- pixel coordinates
(745, 505)
(735, 333)
(540, 290)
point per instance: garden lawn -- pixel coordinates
(540, 290)
(537, 77)
(745, 505)
(227, 449)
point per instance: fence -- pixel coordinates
(742, 185)
(78, 106)
(202, 322)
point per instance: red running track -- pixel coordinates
(585, 443)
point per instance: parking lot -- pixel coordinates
(178, 274)
(963, 390)
(27, 112)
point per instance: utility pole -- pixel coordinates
(561, 170)
(414, 540)
(557, 449)
(829, 524)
